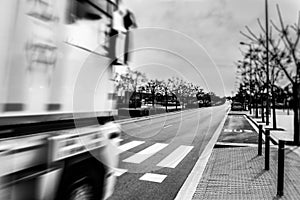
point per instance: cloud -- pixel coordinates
(215, 24)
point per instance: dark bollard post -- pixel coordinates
(260, 140)
(280, 178)
(267, 150)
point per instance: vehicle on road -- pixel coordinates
(57, 138)
(237, 106)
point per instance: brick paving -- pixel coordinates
(238, 173)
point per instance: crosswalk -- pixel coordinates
(170, 161)
(146, 153)
(130, 145)
(173, 159)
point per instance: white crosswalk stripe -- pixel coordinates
(158, 178)
(119, 172)
(130, 145)
(173, 159)
(119, 140)
(146, 153)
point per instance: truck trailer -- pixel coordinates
(58, 138)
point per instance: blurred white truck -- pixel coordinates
(57, 138)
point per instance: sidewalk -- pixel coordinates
(235, 171)
(284, 121)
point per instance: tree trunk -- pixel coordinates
(250, 101)
(126, 98)
(273, 108)
(141, 97)
(262, 109)
(153, 98)
(256, 106)
(134, 100)
(166, 99)
(296, 112)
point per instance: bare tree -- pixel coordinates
(290, 35)
(284, 54)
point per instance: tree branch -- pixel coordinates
(245, 35)
(284, 30)
(260, 25)
(249, 30)
(275, 26)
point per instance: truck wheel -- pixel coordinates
(81, 190)
(82, 185)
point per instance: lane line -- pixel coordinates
(168, 126)
(146, 153)
(157, 178)
(188, 189)
(172, 160)
(119, 172)
(129, 145)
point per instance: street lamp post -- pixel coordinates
(267, 61)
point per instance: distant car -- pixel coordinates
(237, 106)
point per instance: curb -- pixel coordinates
(273, 140)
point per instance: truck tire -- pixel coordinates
(82, 184)
(81, 189)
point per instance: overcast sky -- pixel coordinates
(198, 39)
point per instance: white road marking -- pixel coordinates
(248, 131)
(168, 126)
(238, 130)
(227, 130)
(157, 178)
(129, 145)
(236, 144)
(119, 140)
(175, 157)
(146, 153)
(119, 172)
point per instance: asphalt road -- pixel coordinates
(158, 154)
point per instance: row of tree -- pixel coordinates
(134, 88)
(282, 53)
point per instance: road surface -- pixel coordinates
(157, 155)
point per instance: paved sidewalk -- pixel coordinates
(236, 172)
(284, 122)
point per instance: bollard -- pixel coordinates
(267, 150)
(280, 178)
(260, 140)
